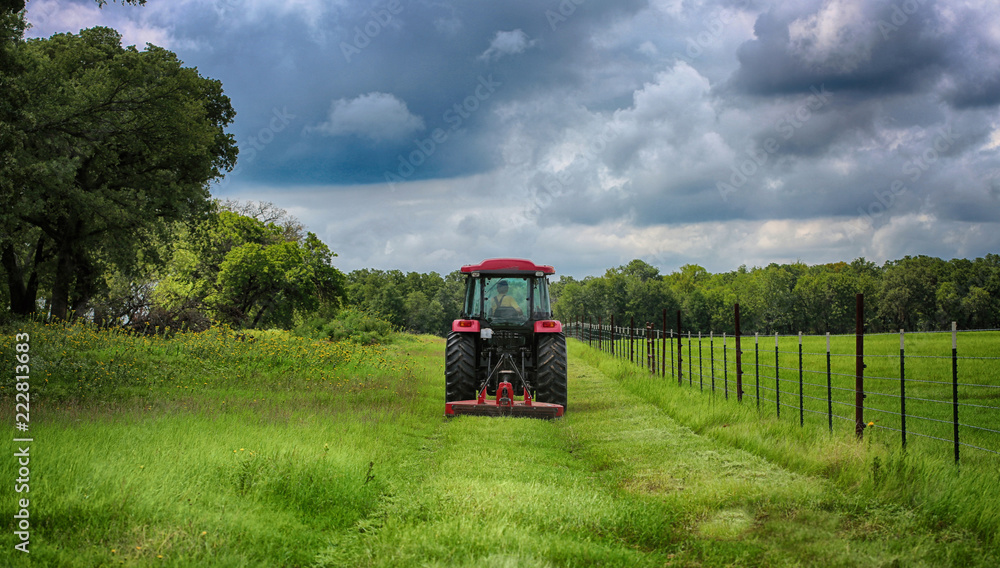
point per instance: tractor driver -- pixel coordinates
(502, 300)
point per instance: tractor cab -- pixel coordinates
(506, 344)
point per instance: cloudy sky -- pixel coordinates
(426, 134)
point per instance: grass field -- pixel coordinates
(211, 450)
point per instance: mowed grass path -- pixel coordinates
(372, 475)
(619, 483)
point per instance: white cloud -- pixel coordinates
(839, 36)
(507, 43)
(922, 233)
(378, 116)
(48, 17)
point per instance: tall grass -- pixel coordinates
(875, 469)
(73, 362)
(204, 448)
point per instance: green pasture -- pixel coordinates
(222, 449)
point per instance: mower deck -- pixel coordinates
(503, 405)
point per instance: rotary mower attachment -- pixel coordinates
(504, 403)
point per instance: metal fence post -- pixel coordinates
(690, 368)
(859, 365)
(902, 386)
(672, 367)
(739, 357)
(711, 357)
(612, 344)
(777, 379)
(644, 342)
(663, 348)
(756, 364)
(631, 339)
(650, 348)
(680, 352)
(701, 366)
(954, 382)
(829, 384)
(802, 417)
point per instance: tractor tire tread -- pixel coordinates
(551, 379)
(460, 367)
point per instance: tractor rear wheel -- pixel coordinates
(460, 367)
(550, 382)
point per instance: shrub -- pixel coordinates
(348, 325)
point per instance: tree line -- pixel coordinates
(917, 293)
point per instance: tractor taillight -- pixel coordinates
(465, 326)
(548, 326)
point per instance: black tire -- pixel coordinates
(550, 381)
(460, 367)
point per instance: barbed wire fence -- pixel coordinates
(924, 394)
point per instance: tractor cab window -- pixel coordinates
(540, 307)
(473, 298)
(508, 299)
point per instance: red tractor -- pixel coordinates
(506, 356)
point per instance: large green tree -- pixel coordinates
(115, 144)
(247, 272)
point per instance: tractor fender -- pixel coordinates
(465, 326)
(548, 326)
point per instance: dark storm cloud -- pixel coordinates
(433, 57)
(876, 49)
(912, 107)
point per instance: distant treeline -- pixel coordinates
(252, 265)
(915, 293)
(421, 303)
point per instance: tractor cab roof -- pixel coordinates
(508, 266)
